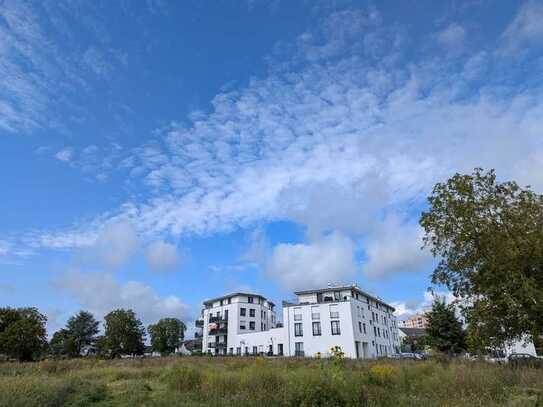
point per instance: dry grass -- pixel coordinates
(202, 381)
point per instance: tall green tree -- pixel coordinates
(167, 334)
(124, 333)
(62, 344)
(488, 237)
(22, 333)
(444, 332)
(82, 329)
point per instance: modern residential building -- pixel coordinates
(416, 321)
(245, 324)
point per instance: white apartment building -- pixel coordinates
(362, 325)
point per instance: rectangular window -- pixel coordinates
(252, 312)
(374, 331)
(242, 312)
(255, 350)
(280, 349)
(360, 327)
(298, 349)
(364, 327)
(315, 314)
(297, 314)
(229, 300)
(316, 329)
(298, 331)
(231, 351)
(252, 325)
(334, 311)
(335, 328)
(250, 300)
(238, 350)
(246, 350)
(242, 325)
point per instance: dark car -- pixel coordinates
(524, 359)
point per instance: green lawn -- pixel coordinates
(202, 381)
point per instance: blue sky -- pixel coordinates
(154, 154)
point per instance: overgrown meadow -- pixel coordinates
(202, 381)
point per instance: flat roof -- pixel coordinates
(344, 287)
(224, 297)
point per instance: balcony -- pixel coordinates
(217, 320)
(219, 331)
(217, 345)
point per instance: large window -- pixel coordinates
(335, 328)
(298, 349)
(252, 312)
(298, 331)
(250, 300)
(334, 311)
(316, 329)
(315, 314)
(297, 314)
(242, 312)
(252, 325)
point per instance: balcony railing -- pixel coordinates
(217, 344)
(217, 320)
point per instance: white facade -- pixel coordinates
(360, 324)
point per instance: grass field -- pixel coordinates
(201, 381)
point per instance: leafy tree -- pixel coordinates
(22, 333)
(82, 329)
(167, 334)
(489, 239)
(62, 344)
(444, 331)
(124, 333)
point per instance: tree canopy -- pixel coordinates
(444, 332)
(167, 334)
(22, 333)
(78, 336)
(488, 237)
(124, 333)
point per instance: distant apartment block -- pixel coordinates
(416, 321)
(246, 324)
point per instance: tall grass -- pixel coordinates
(266, 382)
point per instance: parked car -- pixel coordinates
(412, 356)
(524, 360)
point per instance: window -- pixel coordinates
(298, 331)
(280, 349)
(242, 312)
(238, 350)
(316, 329)
(335, 328)
(298, 349)
(252, 312)
(255, 350)
(337, 295)
(229, 300)
(222, 303)
(334, 311)
(246, 350)
(374, 331)
(252, 325)
(250, 300)
(242, 325)
(315, 314)
(364, 327)
(297, 314)
(378, 332)
(360, 327)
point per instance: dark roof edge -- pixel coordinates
(212, 300)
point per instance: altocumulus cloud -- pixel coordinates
(344, 134)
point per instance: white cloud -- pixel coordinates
(100, 293)
(394, 247)
(406, 309)
(525, 29)
(452, 37)
(162, 256)
(115, 244)
(297, 266)
(65, 154)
